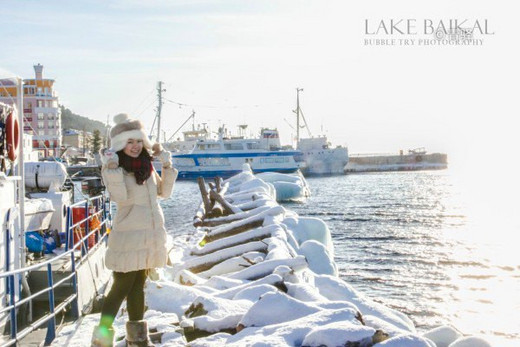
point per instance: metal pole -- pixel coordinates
(159, 106)
(20, 172)
(51, 325)
(298, 90)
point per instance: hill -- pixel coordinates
(70, 120)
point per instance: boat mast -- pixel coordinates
(159, 107)
(298, 90)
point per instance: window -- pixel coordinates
(233, 146)
(41, 132)
(41, 116)
(39, 103)
(40, 125)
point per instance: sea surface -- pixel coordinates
(426, 243)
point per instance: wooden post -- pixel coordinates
(228, 209)
(204, 193)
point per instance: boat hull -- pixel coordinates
(324, 162)
(209, 165)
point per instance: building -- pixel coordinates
(77, 139)
(42, 115)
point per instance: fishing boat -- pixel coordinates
(226, 156)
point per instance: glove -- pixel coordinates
(109, 158)
(166, 159)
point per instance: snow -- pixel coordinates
(443, 336)
(273, 285)
(309, 228)
(470, 341)
(406, 341)
(339, 334)
(318, 258)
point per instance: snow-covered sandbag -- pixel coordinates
(214, 314)
(318, 258)
(267, 267)
(339, 334)
(471, 341)
(443, 336)
(279, 248)
(273, 308)
(379, 324)
(233, 264)
(406, 341)
(254, 293)
(272, 177)
(287, 191)
(222, 283)
(309, 228)
(282, 334)
(335, 289)
(303, 292)
(231, 292)
(167, 296)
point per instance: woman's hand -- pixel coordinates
(109, 158)
(164, 156)
(166, 159)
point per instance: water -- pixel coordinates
(425, 243)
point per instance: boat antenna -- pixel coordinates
(186, 121)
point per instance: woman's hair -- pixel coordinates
(140, 166)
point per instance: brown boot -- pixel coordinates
(137, 334)
(102, 337)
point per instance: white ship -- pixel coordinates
(319, 158)
(226, 156)
(317, 155)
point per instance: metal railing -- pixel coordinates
(78, 252)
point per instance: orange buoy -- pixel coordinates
(12, 136)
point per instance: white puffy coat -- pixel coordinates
(138, 237)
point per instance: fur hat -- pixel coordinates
(126, 128)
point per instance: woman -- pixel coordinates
(137, 242)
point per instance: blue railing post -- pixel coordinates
(51, 326)
(74, 303)
(7, 251)
(67, 230)
(12, 293)
(84, 250)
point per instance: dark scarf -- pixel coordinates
(140, 166)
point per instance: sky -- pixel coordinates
(240, 62)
